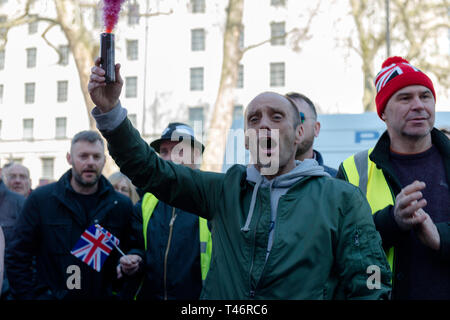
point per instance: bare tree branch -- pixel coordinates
(43, 35)
(259, 44)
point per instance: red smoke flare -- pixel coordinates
(111, 9)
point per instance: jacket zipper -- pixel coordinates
(172, 220)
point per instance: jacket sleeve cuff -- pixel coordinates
(110, 120)
(444, 235)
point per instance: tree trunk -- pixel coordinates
(223, 107)
(81, 45)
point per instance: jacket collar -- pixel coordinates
(318, 157)
(64, 194)
(64, 185)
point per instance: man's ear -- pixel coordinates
(316, 129)
(299, 132)
(69, 159)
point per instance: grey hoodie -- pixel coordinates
(278, 187)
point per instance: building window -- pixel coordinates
(133, 119)
(62, 90)
(130, 87)
(240, 79)
(133, 13)
(197, 79)
(64, 51)
(98, 17)
(29, 92)
(61, 126)
(278, 2)
(198, 39)
(277, 74)
(2, 59)
(28, 125)
(241, 38)
(132, 49)
(47, 168)
(1, 93)
(196, 117)
(3, 30)
(198, 6)
(31, 57)
(277, 34)
(33, 25)
(238, 112)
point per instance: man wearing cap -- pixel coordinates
(405, 178)
(177, 243)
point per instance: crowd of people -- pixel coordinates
(283, 227)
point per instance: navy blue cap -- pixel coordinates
(177, 131)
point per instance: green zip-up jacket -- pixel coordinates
(325, 244)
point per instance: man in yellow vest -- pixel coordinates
(405, 178)
(177, 243)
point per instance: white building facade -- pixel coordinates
(171, 66)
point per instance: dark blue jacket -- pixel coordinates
(11, 204)
(332, 172)
(51, 223)
(183, 280)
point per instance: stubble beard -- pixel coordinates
(82, 183)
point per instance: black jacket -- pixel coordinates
(183, 272)
(51, 223)
(384, 220)
(331, 171)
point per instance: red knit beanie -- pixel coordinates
(397, 73)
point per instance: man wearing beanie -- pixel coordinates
(405, 178)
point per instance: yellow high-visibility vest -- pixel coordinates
(363, 173)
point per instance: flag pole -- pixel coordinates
(113, 242)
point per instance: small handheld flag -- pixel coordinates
(94, 246)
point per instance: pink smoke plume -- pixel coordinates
(111, 9)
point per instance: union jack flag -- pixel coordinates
(390, 72)
(94, 246)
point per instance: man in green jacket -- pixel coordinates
(281, 229)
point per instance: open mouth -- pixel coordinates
(267, 144)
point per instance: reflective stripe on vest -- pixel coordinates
(363, 173)
(149, 203)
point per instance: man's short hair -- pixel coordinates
(87, 135)
(296, 95)
(296, 120)
(12, 163)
